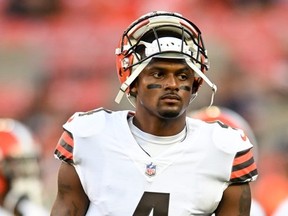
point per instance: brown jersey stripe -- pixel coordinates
(243, 156)
(243, 172)
(245, 178)
(67, 137)
(243, 165)
(64, 147)
(62, 157)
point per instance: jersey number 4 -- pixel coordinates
(156, 202)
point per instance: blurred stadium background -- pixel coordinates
(57, 57)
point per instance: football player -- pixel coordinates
(20, 183)
(154, 160)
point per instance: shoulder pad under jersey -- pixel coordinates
(230, 140)
(84, 124)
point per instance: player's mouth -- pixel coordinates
(170, 97)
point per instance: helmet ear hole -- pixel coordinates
(196, 84)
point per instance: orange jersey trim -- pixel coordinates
(243, 158)
(64, 147)
(243, 172)
(244, 167)
(67, 138)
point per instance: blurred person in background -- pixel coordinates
(234, 120)
(32, 8)
(281, 203)
(272, 188)
(20, 183)
(154, 160)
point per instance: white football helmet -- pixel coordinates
(162, 35)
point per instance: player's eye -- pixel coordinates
(182, 76)
(157, 74)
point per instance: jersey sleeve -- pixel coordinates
(234, 142)
(244, 167)
(81, 124)
(64, 148)
(65, 145)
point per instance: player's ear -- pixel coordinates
(133, 89)
(196, 84)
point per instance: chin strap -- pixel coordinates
(212, 97)
(204, 77)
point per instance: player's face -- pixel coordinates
(164, 87)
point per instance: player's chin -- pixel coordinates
(170, 112)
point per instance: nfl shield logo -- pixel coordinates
(150, 169)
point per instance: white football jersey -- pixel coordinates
(120, 179)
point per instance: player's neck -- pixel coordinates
(155, 145)
(160, 127)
